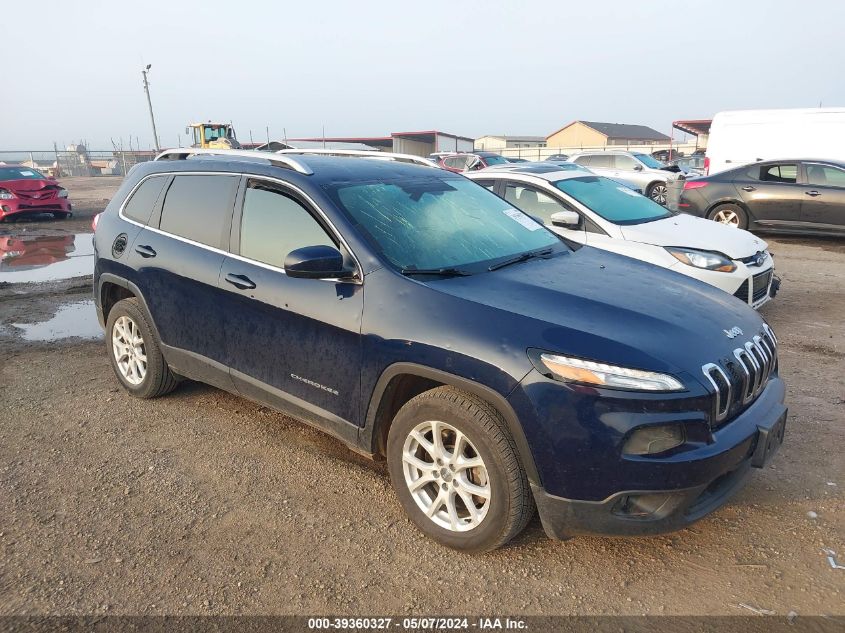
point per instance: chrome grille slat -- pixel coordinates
(756, 361)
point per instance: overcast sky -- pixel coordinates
(71, 70)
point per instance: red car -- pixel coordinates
(25, 191)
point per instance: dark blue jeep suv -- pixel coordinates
(421, 319)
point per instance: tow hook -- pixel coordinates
(773, 289)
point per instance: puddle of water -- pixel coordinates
(73, 319)
(40, 258)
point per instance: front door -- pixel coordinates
(293, 343)
(824, 195)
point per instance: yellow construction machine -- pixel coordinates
(213, 135)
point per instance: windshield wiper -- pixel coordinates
(524, 257)
(443, 272)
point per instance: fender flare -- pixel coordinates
(123, 283)
(368, 435)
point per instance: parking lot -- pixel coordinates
(202, 502)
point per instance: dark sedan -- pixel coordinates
(790, 196)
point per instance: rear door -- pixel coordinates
(772, 192)
(824, 195)
(293, 343)
(178, 259)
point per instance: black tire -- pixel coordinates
(511, 504)
(658, 192)
(158, 379)
(729, 211)
(59, 215)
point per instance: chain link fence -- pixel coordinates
(542, 153)
(77, 162)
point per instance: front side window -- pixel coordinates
(199, 208)
(624, 162)
(612, 201)
(786, 173)
(435, 222)
(273, 224)
(140, 206)
(825, 176)
(533, 202)
(649, 161)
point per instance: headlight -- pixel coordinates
(654, 439)
(702, 259)
(601, 374)
(62, 193)
(6, 195)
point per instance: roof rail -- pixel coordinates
(365, 153)
(183, 153)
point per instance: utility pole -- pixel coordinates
(150, 105)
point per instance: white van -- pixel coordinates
(740, 137)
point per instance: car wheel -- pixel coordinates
(729, 215)
(135, 354)
(659, 193)
(63, 216)
(456, 471)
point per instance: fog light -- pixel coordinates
(655, 439)
(642, 506)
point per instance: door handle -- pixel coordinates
(748, 188)
(145, 251)
(813, 193)
(240, 281)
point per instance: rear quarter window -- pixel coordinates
(199, 208)
(141, 203)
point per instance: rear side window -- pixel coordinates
(140, 205)
(779, 173)
(584, 160)
(273, 224)
(602, 160)
(199, 207)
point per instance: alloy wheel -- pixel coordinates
(130, 354)
(728, 217)
(659, 193)
(446, 476)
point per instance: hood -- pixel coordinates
(692, 232)
(28, 184)
(602, 306)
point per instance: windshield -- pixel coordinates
(20, 173)
(495, 160)
(432, 222)
(649, 161)
(612, 201)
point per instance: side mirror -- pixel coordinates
(638, 167)
(315, 262)
(566, 219)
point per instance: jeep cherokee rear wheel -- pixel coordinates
(134, 352)
(455, 469)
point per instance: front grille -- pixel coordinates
(761, 285)
(41, 207)
(43, 194)
(742, 291)
(740, 378)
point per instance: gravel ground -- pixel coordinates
(204, 503)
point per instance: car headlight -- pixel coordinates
(62, 193)
(702, 259)
(6, 195)
(601, 374)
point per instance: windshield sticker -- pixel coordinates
(26, 173)
(523, 219)
(629, 191)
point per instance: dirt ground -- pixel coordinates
(204, 503)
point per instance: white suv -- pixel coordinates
(589, 209)
(641, 171)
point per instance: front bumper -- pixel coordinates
(711, 475)
(19, 207)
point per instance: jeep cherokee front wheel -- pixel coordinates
(455, 469)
